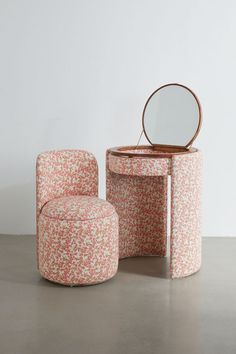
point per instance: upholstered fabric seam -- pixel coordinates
(103, 217)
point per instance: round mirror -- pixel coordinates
(172, 116)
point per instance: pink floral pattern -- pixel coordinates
(186, 214)
(77, 233)
(138, 190)
(63, 173)
(77, 208)
(139, 166)
(141, 203)
(78, 252)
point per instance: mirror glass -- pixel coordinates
(172, 116)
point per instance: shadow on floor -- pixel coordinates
(151, 266)
(32, 278)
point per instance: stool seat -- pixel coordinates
(79, 208)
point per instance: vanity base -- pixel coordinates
(140, 199)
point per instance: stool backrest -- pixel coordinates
(65, 173)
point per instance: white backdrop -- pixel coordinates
(76, 74)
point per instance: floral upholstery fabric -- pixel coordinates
(141, 203)
(186, 189)
(65, 173)
(137, 188)
(139, 166)
(77, 233)
(78, 208)
(78, 252)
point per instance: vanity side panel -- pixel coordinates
(141, 203)
(186, 188)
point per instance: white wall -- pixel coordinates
(76, 74)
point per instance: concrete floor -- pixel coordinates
(138, 311)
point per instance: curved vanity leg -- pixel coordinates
(185, 240)
(141, 203)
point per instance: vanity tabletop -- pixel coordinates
(148, 151)
(144, 160)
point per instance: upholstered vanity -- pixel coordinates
(137, 183)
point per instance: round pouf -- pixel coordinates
(78, 240)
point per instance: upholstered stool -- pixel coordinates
(77, 234)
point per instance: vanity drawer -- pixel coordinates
(139, 166)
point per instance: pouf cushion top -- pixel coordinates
(78, 208)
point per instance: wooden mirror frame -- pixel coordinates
(174, 147)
